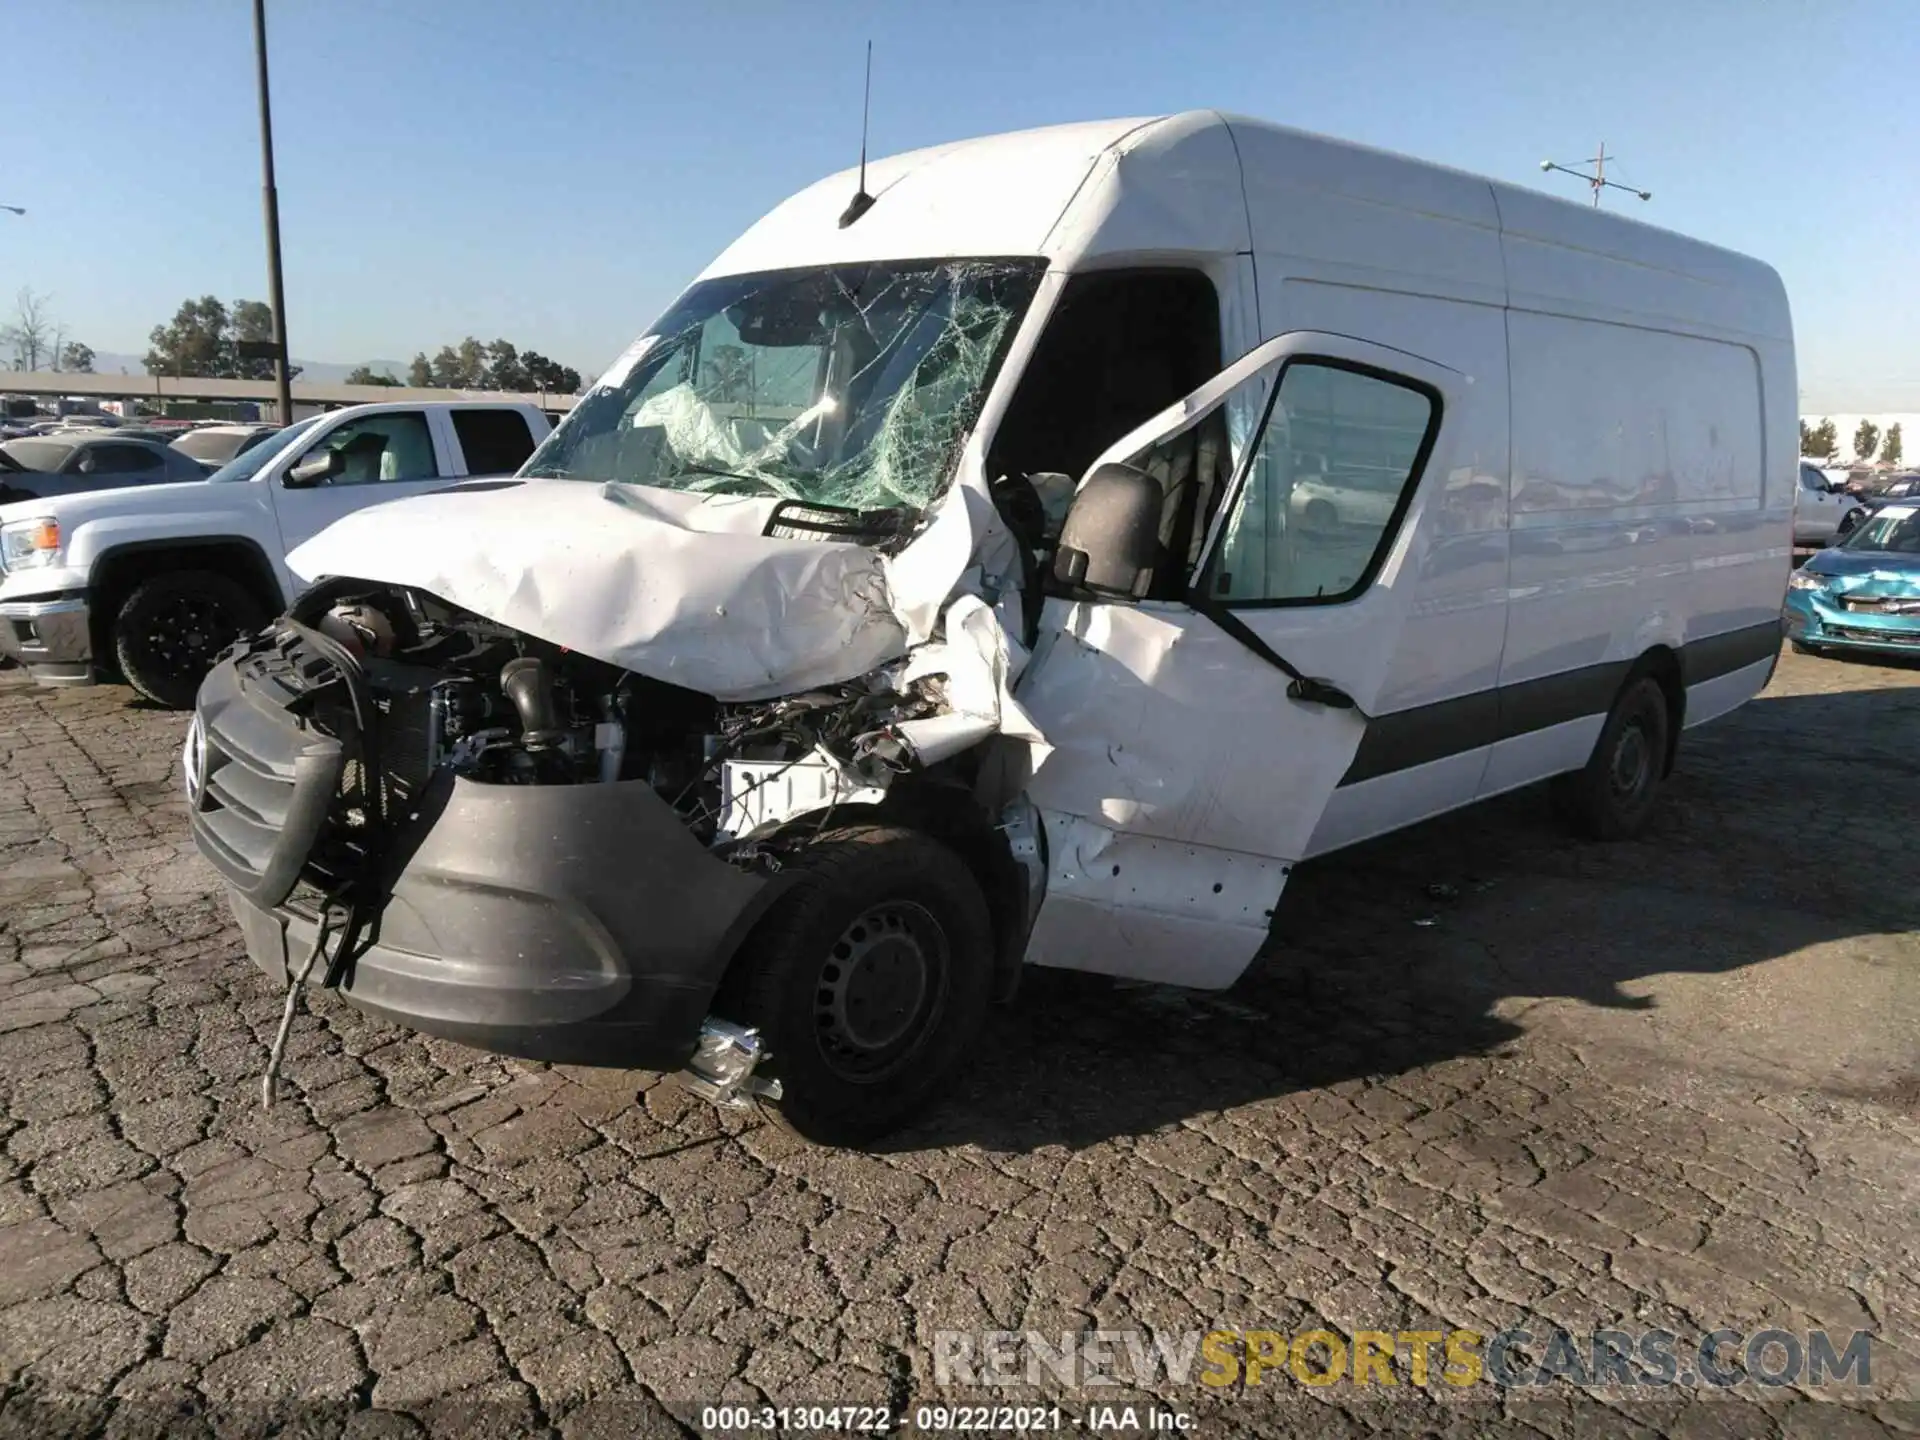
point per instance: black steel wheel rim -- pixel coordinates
(880, 991)
(1632, 761)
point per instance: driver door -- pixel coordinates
(1189, 764)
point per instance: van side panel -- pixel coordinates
(1639, 520)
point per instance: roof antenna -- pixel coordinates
(862, 201)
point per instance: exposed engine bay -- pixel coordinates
(462, 695)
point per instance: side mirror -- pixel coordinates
(314, 470)
(1111, 539)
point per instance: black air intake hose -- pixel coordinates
(527, 685)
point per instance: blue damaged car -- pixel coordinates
(1864, 593)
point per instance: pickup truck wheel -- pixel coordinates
(868, 979)
(172, 627)
(1613, 797)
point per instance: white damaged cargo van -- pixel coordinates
(1025, 563)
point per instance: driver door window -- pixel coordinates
(1334, 471)
(382, 449)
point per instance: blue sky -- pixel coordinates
(554, 172)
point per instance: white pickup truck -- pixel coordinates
(152, 582)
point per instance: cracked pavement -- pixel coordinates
(1485, 1076)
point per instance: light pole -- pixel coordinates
(270, 205)
(1598, 180)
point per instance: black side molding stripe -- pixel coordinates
(1712, 656)
(1427, 733)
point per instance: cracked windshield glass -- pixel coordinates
(851, 387)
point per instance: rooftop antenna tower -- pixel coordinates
(1598, 179)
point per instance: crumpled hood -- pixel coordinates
(680, 588)
(1868, 572)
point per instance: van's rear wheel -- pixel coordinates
(172, 627)
(868, 980)
(1614, 796)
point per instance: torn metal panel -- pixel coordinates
(979, 662)
(760, 793)
(1151, 909)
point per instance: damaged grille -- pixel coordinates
(261, 780)
(1905, 638)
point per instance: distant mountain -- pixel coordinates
(322, 372)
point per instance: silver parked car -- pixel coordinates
(72, 461)
(214, 445)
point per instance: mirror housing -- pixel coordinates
(1111, 539)
(314, 470)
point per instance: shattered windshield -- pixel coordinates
(852, 386)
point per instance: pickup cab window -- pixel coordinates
(495, 442)
(376, 449)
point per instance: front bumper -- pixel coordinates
(1815, 619)
(52, 639)
(578, 924)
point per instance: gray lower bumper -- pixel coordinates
(51, 639)
(576, 924)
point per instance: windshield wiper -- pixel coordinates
(771, 486)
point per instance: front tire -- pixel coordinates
(172, 627)
(1614, 796)
(868, 979)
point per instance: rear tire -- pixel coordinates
(868, 979)
(172, 627)
(1614, 796)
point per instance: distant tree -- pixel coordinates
(549, 375)
(461, 367)
(253, 320)
(1822, 442)
(193, 343)
(471, 365)
(367, 375)
(1890, 447)
(30, 336)
(79, 357)
(1806, 437)
(505, 370)
(1866, 440)
(203, 337)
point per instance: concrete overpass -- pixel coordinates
(308, 397)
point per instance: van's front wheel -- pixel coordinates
(868, 980)
(1613, 797)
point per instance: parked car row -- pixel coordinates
(151, 577)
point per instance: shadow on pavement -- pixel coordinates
(1392, 955)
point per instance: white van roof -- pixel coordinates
(1079, 194)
